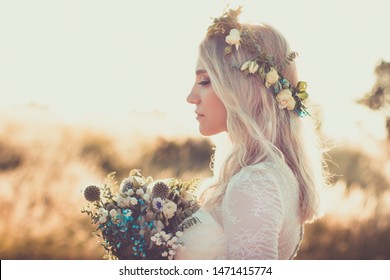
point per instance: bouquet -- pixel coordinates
(141, 218)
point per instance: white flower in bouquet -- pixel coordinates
(130, 192)
(158, 203)
(169, 209)
(103, 215)
(140, 192)
(133, 201)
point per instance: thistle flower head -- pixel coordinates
(92, 193)
(160, 189)
(126, 185)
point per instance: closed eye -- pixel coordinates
(204, 83)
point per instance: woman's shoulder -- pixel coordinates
(266, 170)
(267, 174)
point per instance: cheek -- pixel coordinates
(219, 110)
(216, 115)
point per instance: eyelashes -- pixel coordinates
(204, 82)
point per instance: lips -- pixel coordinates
(199, 115)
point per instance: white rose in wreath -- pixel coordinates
(233, 38)
(285, 100)
(271, 78)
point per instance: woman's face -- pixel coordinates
(210, 111)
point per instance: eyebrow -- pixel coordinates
(201, 71)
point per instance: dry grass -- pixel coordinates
(43, 169)
(44, 166)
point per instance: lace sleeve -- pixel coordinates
(252, 215)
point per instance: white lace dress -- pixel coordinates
(258, 218)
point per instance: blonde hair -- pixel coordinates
(258, 130)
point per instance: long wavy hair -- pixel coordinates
(257, 129)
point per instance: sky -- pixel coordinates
(97, 60)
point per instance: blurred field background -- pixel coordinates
(44, 165)
(83, 94)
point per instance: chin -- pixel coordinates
(203, 133)
(206, 132)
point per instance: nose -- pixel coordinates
(193, 97)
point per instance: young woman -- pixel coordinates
(264, 187)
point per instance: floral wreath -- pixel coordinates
(262, 64)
